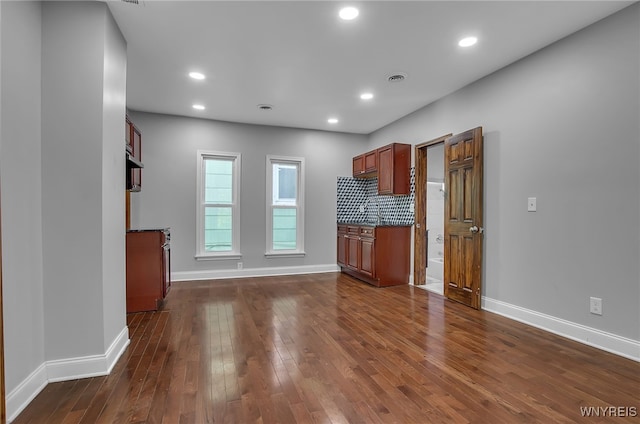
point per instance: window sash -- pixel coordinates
(218, 228)
(285, 206)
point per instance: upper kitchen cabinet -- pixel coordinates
(391, 164)
(133, 145)
(366, 165)
(394, 163)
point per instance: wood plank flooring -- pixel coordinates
(326, 348)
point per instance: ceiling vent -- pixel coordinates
(265, 107)
(140, 2)
(397, 77)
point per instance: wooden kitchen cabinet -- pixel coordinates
(133, 145)
(394, 169)
(391, 164)
(342, 245)
(148, 269)
(366, 165)
(376, 255)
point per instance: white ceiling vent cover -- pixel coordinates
(401, 76)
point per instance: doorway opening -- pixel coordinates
(429, 249)
(435, 194)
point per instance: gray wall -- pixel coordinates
(62, 172)
(20, 135)
(113, 180)
(80, 171)
(560, 125)
(168, 196)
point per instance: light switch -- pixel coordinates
(531, 204)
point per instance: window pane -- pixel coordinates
(218, 181)
(284, 229)
(285, 184)
(217, 229)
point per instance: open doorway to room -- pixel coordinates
(429, 215)
(435, 191)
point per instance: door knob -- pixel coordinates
(476, 229)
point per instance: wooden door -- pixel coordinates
(463, 227)
(3, 414)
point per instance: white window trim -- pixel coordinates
(202, 254)
(299, 251)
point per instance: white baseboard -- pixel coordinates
(21, 396)
(216, 274)
(88, 366)
(64, 370)
(603, 340)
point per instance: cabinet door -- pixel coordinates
(127, 135)
(136, 173)
(358, 165)
(353, 252)
(367, 258)
(371, 161)
(385, 170)
(342, 249)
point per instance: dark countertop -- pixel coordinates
(373, 224)
(142, 230)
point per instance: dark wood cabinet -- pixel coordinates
(366, 165)
(391, 164)
(394, 169)
(133, 145)
(148, 269)
(342, 244)
(376, 255)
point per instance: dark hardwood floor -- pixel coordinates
(326, 348)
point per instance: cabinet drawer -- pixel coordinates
(353, 230)
(342, 228)
(367, 232)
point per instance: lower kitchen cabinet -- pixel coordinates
(148, 269)
(376, 255)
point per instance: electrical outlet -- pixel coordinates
(239, 265)
(595, 306)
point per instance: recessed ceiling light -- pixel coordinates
(348, 13)
(199, 107)
(332, 120)
(467, 41)
(366, 96)
(196, 75)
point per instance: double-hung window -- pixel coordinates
(285, 206)
(218, 209)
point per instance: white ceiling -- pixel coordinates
(301, 58)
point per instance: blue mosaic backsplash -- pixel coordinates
(359, 202)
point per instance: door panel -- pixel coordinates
(463, 217)
(454, 194)
(367, 257)
(352, 252)
(385, 170)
